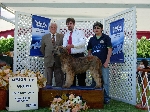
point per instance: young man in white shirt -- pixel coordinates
(75, 42)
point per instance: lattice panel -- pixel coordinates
(22, 60)
(87, 26)
(123, 75)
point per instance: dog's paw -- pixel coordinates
(66, 86)
(96, 87)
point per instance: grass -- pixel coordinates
(114, 106)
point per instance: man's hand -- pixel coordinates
(69, 46)
(105, 64)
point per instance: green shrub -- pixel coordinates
(143, 48)
(6, 44)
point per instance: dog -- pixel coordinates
(72, 66)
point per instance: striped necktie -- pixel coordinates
(53, 39)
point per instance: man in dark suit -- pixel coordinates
(51, 63)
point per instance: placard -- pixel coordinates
(40, 27)
(23, 93)
(117, 39)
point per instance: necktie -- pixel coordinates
(53, 39)
(70, 42)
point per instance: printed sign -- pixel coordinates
(23, 93)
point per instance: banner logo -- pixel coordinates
(117, 39)
(40, 27)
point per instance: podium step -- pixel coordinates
(93, 97)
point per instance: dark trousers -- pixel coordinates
(81, 77)
(58, 74)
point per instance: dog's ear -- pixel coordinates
(61, 49)
(66, 50)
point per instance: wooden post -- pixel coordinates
(3, 99)
(143, 105)
(144, 89)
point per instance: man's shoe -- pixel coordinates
(48, 86)
(106, 101)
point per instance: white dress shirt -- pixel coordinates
(78, 40)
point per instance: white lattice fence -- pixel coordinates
(22, 60)
(123, 75)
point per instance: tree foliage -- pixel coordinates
(143, 48)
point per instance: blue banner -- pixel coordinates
(40, 27)
(117, 39)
